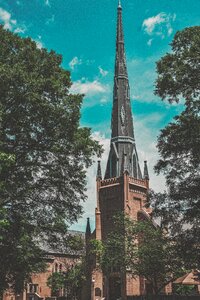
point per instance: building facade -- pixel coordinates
(124, 188)
(57, 261)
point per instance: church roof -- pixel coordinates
(61, 249)
(192, 278)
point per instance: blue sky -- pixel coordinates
(84, 33)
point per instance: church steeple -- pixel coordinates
(88, 229)
(122, 137)
(146, 173)
(99, 176)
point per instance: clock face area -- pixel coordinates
(122, 115)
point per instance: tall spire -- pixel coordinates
(122, 137)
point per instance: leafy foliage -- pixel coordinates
(74, 281)
(178, 72)
(56, 282)
(19, 255)
(71, 281)
(179, 143)
(140, 248)
(156, 257)
(185, 290)
(44, 153)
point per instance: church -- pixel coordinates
(124, 187)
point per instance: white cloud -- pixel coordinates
(150, 23)
(79, 61)
(90, 62)
(5, 18)
(170, 30)
(146, 146)
(47, 3)
(39, 42)
(103, 72)
(142, 77)
(13, 22)
(50, 20)
(149, 43)
(159, 24)
(135, 97)
(75, 62)
(104, 100)
(10, 23)
(21, 29)
(88, 88)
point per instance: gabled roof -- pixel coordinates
(60, 249)
(192, 278)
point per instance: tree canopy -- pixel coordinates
(71, 281)
(44, 153)
(179, 142)
(140, 248)
(178, 71)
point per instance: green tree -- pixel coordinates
(19, 254)
(71, 281)
(185, 289)
(156, 258)
(42, 188)
(74, 281)
(179, 143)
(141, 248)
(56, 282)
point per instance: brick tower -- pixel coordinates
(124, 188)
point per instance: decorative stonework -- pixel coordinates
(122, 115)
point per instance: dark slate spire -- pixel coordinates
(88, 229)
(122, 138)
(99, 176)
(146, 173)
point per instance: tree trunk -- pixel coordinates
(1, 294)
(155, 287)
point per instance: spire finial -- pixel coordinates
(99, 176)
(88, 229)
(125, 164)
(119, 4)
(146, 173)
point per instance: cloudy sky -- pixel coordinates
(84, 33)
